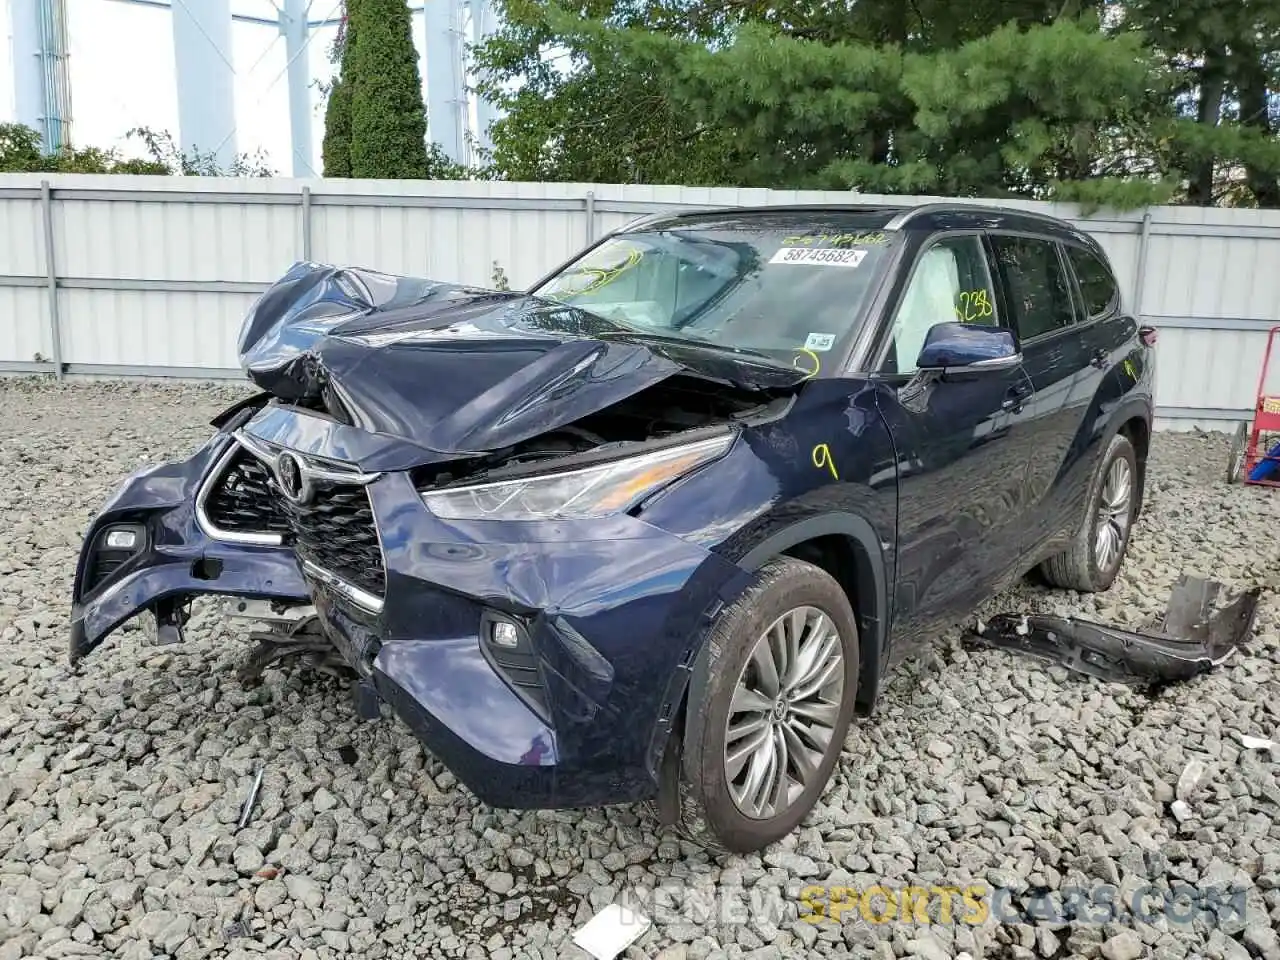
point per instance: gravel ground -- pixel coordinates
(121, 782)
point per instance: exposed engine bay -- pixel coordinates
(667, 409)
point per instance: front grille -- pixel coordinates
(336, 532)
(244, 501)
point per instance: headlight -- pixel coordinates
(584, 494)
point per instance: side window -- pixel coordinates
(1039, 295)
(1098, 286)
(949, 283)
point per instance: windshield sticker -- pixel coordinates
(820, 256)
(837, 240)
(973, 305)
(820, 341)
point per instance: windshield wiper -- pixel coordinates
(698, 342)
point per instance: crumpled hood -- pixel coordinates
(456, 369)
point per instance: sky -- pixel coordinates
(122, 75)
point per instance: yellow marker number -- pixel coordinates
(822, 459)
(973, 305)
(817, 364)
(1129, 369)
(597, 277)
(837, 239)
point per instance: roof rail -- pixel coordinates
(950, 206)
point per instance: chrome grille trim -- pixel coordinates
(323, 471)
(211, 481)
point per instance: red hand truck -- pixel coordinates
(1249, 462)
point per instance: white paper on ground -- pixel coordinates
(611, 931)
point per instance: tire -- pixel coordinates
(709, 813)
(1235, 462)
(1085, 566)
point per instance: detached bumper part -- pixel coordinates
(1198, 631)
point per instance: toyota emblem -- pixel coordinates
(289, 476)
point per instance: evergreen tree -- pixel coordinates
(335, 151)
(1107, 102)
(388, 116)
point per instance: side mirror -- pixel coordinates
(957, 347)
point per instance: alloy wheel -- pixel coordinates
(784, 711)
(1112, 527)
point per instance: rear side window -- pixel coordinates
(1034, 278)
(1101, 295)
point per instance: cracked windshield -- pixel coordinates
(779, 290)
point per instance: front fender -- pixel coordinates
(872, 600)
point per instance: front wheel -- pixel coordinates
(769, 725)
(1092, 562)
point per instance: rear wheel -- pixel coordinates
(1092, 562)
(769, 726)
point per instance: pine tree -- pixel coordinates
(1106, 102)
(336, 148)
(388, 116)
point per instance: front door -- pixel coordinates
(961, 446)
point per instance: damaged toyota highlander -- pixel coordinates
(657, 527)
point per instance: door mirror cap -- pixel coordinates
(964, 347)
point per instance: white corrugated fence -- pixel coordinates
(151, 276)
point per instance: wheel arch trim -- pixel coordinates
(871, 605)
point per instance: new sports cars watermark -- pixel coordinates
(980, 903)
(974, 904)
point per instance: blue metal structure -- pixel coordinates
(206, 72)
(40, 78)
(204, 61)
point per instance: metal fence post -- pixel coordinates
(1144, 238)
(306, 223)
(591, 216)
(51, 274)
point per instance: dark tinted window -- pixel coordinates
(1039, 297)
(1096, 282)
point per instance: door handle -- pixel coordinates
(1100, 358)
(1015, 396)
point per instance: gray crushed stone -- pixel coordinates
(121, 781)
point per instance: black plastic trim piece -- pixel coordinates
(518, 667)
(872, 623)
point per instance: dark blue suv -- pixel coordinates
(658, 527)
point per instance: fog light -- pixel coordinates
(122, 539)
(504, 634)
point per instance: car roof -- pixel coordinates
(925, 217)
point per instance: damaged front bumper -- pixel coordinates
(543, 661)
(1199, 631)
(146, 552)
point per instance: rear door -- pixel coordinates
(1038, 293)
(1107, 334)
(960, 446)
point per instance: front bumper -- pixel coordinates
(611, 613)
(174, 558)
